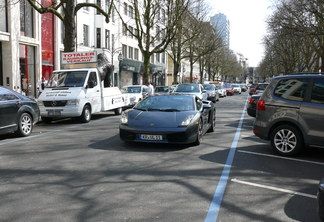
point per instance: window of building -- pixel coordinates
(136, 53)
(163, 16)
(98, 37)
(131, 31)
(130, 12)
(107, 39)
(130, 52)
(163, 57)
(26, 19)
(292, 89)
(318, 91)
(99, 4)
(86, 8)
(158, 33)
(124, 48)
(27, 69)
(125, 8)
(107, 5)
(124, 29)
(85, 35)
(157, 57)
(152, 59)
(3, 16)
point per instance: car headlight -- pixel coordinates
(187, 121)
(124, 118)
(73, 102)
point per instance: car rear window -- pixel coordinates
(317, 95)
(292, 89)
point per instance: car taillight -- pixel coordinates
(251, 100)
(261, 105)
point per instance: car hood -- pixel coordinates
(158, 119)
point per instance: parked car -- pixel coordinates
(320, 200)
(221, 90)
(237, 88)
(188, 119)
(244, 87)
(136, 92)
(18, 113)
(212, 93)
(251, 107)
(229, 89)
(290, 113)
(258, 88)
(191, 89)
(163, 90)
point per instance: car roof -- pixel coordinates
(300, 75)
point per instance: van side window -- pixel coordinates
(317, 95)
(93, 78)
(292, 89)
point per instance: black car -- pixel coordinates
(18, 113)
(179, 119)
(251, 107)
(320, 200)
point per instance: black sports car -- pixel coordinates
(181, 119)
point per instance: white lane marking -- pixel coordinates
(274, 188)
(281, 157)
(216, 202)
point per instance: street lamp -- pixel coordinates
(113, 53)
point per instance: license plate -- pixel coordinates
(151, 137)
(54, 113)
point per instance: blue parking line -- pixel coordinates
(221, 186)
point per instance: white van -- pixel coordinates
(79, 93)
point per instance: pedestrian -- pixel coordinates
(150, 91)
(41, 85)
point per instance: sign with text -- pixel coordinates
(78, 57)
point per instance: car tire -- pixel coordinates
(286, 140)
(86, 114)
(47, 119)
(25, 125)
(213, 121)
(199, 133)
(118, 111)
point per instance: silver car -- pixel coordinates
(290, 113)
(191, 89)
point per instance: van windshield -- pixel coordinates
(67, 79)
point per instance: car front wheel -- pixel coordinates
(25, 125)
(286, 140)
(86, 114)
(199, 133)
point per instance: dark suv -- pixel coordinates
(290, 113)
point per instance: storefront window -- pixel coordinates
(26, 19)
(3, 16)
(27, 70)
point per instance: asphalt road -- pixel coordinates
(67, 171)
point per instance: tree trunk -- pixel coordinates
(70, 27)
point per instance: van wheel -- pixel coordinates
(118, 111)
(286, 140)
(25, 125)
(86, 114)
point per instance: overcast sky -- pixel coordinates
(247, 25)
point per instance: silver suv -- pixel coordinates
(290, 113)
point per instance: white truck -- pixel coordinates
(80, 92)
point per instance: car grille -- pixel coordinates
(54, 103)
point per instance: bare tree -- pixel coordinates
(155, 26)
(66, 11)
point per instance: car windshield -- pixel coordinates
(67, 79)
(171, 103)
(162, 89)
(132, 89)
(187, 88)
(208, 87)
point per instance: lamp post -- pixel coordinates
(112, 53)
